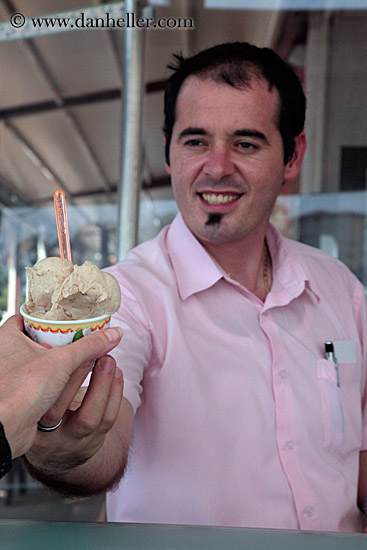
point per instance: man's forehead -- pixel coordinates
(203, 94)
(197, 83)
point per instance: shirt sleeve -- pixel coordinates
(360, 307)
(133, 353)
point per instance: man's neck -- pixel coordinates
(244, 262)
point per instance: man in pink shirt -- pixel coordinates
(232, 414)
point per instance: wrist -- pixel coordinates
(74, 481)
(40, 459)
(55, 474)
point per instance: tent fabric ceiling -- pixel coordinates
(60, 97)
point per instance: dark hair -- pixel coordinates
(237, 64)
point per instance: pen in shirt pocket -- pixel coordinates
(330, 356)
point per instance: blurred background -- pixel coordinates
(81, 109)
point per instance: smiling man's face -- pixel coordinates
(226, 158)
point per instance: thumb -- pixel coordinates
(90, 347)
(14, 322)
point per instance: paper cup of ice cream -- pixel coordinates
(60, 333)
(66, 302)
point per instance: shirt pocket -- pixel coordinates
(340, 406)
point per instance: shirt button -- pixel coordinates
(283, 374)
(308, 511)
(290, 444)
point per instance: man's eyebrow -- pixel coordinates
(190, 131)
(252, 133)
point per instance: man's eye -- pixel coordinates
(246, 145)
(194, 142)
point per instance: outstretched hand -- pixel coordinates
(34, 379)
(89, 417)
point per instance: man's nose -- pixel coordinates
(218, 163)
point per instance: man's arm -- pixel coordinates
(362, 484)
(88, 453)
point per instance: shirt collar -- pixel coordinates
(290, 279)
(194, 268)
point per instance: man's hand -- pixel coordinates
(88, 453)
(33, 379)
(86, 420)
(56, 456)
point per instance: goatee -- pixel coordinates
(214, 218)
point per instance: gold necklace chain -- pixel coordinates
(265, 269)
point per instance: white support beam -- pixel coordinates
(317, 49)
(131, 134)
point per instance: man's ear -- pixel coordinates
(293, 166)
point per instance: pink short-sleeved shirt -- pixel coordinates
(239, 419)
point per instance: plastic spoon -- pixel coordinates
(62, 225)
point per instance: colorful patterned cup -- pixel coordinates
(60, 333)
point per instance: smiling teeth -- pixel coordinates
(218, 199)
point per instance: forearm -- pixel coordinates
(72, 478)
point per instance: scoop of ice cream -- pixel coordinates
(87, 292)
(76, 292)
(44, 278)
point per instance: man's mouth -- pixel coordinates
(219, 198)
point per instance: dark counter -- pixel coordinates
(28, 535)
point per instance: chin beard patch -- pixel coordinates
(214, 218)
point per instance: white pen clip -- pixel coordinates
(330, 356)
